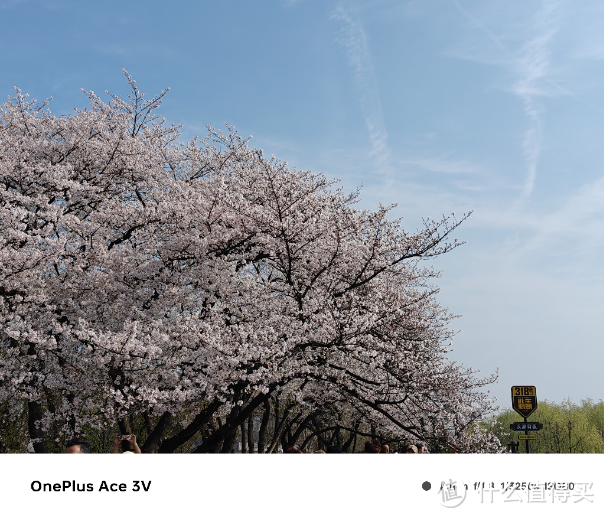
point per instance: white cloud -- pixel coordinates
(353, 40)
(535, 63)
(531, 64)
(575, 228)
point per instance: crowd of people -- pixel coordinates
(373, 446)
(129, 445)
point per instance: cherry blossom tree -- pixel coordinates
(190, 283)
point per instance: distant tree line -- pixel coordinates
(567, 427)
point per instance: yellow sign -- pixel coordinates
(530, 437)
(524, 399)
(524, 391)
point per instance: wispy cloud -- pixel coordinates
(535, 64)
(532, 63)
(575, 227)
(352, 38)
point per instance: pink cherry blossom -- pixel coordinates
(199, 279)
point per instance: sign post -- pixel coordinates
(524, 401)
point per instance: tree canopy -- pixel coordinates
(192, 283)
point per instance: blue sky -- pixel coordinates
(439, 106)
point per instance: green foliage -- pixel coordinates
(567, 427)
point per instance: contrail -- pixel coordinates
(533, 63)
(353, 40)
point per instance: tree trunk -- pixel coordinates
(229, 439)
(279, 425)
(169, 445)
(283, 437)
(321, 444)
(34, 415)
(277, 419)
(157, 434)
(263, 426)
(278, 432)
(293, 438)
(243, 438)
(148, 425)
(347, 444)
(338, 439)
(231, 424)
(250, 433)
